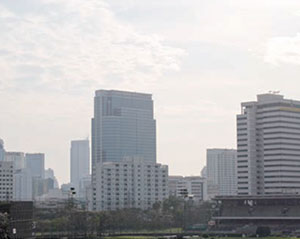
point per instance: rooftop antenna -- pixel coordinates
(273, 92)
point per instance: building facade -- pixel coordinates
(41, 186)
(23, 185)
(123, 126)
(131, 183)
(6, 180)
(36, 164)
(194, 187)
(80, 161)
(221, 172)
(268, 138)
(18, 159)
(49, 173)
(84, 187)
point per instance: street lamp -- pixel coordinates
(186, 197)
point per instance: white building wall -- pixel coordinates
(268, 137)
(131, 183)
(195, 187)
(6, 181)
(221, 172)
(79, 161)
(23, 185)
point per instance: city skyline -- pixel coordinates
(233, 52)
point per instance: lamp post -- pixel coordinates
(71, 195)
(186, 198)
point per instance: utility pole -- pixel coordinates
(71, 194)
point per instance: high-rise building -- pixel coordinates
(49, 173)
(268, 138)
(123, 126)
(17, 158)
(36, 164)
(6, 180)
(23, 185)
(131, 183)
(193, 187)
(84, 187)
(41, 186)
(2, 151)
(221, 172)
(80, 161)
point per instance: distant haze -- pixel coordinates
(199, 59)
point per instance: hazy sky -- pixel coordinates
(199, 58)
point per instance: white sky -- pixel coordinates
(199, 58)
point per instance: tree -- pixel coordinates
(4, 223)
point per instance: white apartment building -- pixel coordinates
(221, 172)
(6, 181)
(268, 138)
(131, 183)
(193, 187)
(23, 185)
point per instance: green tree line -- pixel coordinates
(171, 213)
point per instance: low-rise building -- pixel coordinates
(193, 186)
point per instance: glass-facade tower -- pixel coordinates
(123, 126)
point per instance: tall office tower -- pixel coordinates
(36, 164)
(23, 185)
(80, 161)
(17, 158)
(131, 183)
(268, 138)
(123, 126)
(221, 172)
(2, 151)
(193, 187)
(7, 180)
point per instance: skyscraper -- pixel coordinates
(80, 161)
(123, 126)
(36, 164)
(221, 172)
(268, 138)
